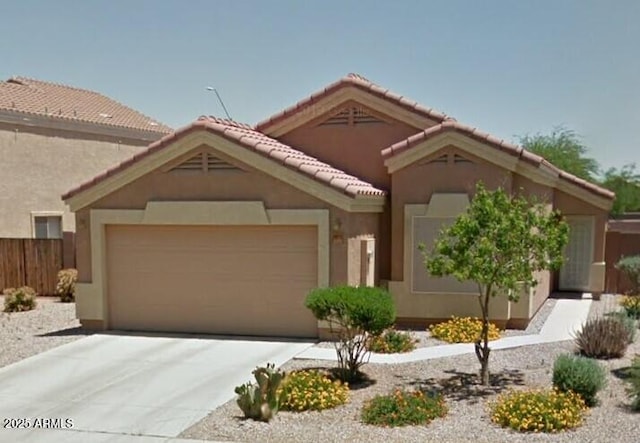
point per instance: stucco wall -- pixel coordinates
(39, 165)
(416, 183)
(354, 149)
(570, 205)
(245, 185)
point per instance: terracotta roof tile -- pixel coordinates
(484, 137)
(251, 139)
(39, 98)
(358, 81)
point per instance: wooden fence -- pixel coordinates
(623, 240)
(30, 262)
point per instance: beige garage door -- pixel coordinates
(248, 280)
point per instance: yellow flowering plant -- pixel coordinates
(631, 305)
(311, 390)
(538, 410)
(462, 330)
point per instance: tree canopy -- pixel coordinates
(564, 149)
(499, 243)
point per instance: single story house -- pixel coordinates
(53, 137)
(224, 228)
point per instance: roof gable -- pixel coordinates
(248, 146)
(29, 97)
(356, 88)
(506, 154)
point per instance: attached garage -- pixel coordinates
(247, 280)
(219, 229)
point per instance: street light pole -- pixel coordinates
(211, 88)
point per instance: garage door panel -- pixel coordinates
(227, 280)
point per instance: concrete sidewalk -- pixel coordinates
(565, 320)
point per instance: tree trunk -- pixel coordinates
(482, 345)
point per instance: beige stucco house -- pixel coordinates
(224, 228)
(51, 138)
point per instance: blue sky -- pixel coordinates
(510, 67)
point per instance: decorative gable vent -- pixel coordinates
(460, 159)
(193, 164)
(351, 116)
(443, 159)
(341, 118)
(215, 164)
(205, 163)
(360, 116)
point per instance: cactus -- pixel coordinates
(261, 401)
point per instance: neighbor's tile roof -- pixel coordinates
(251, 139)
(360, 82)
(483, 137)
(35, 97)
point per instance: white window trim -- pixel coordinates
(35, 214)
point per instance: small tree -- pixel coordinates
(499, 242)
(355, 315)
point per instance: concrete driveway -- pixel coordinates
(116, 387)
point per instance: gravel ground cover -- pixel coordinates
(468, 418)
(23, 334)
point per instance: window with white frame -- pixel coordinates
(47, 226)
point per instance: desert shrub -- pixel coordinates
(311, 390)
(19, 299)
(633, 377)
(392, 341)
(354, 314)
(404, 408)
(631, 306)
(261, 401)
(462, 330)
(604, 337)
(581, 375)
(538, 410)
(66, 285)
(630, 323)
(630, 266)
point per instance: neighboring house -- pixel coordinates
(51, 138)
(224, 228)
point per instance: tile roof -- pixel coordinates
(360, 82)
(484, 137)
(251, 139)
(35, 97)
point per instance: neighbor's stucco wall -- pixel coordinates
(39, 165)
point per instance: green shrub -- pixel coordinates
(354, 315)
(630, 266)
(462, 330)
(581, 375)
(404, 408)
(538, 410)
(604, 337)
(630, 323)
(311, 390)
(66, 285)
(19, 299)
(633, 374)
(261, 401)
(392, 341)
(631, 306)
